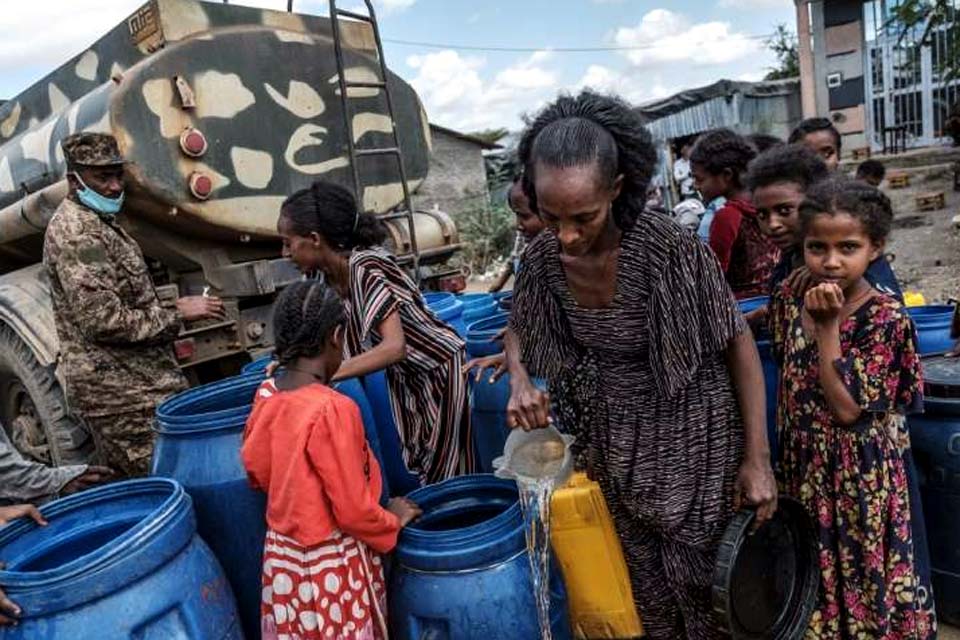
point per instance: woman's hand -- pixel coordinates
(824, 302)
(405, 509)
(9, 611)
(497, 362)
(20, 511)
(529, 407)
(757, 487)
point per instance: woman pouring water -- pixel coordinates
(647, 357)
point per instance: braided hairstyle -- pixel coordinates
(787, 163)
(305, 315)
(331, 210)
(838, 194)
(591, 128)
(722, 149)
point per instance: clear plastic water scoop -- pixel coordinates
(530, 457)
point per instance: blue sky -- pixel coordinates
(663, 46)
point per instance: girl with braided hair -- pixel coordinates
(647, 357)
(388, 326)
(304, 445)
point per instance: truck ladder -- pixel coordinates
(355, 154)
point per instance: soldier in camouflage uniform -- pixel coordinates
(116, 340)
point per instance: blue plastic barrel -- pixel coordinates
(488, 401)
(200, 432)
(257, 366)
(935, 436)
(505, 303)
(478, 310)
(771, 373)
(461, 570)
(436, 296)
(450, 311)
(933, 327)
(472, 298)
(482, 333)
(401, 480)
(119, 561)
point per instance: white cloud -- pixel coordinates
(629, 84)
(755, 4)
(456, 95)
(667, 37)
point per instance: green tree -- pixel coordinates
(783, 44)
(930, 15)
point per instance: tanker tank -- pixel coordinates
(221, 112)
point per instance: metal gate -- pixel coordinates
(907, 94)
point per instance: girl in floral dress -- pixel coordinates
(305, 446)
(849, 373)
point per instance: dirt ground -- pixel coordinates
(924, 245)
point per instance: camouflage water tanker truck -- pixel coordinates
(221, 111)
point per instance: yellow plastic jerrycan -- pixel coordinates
(586, 544)
(913, 299)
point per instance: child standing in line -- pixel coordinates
(778, 180)
(529, 225)
(719, 161)
(820, 136)
(872, 172)
(849, 373)
(304, 445)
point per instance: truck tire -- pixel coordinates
(33, 408)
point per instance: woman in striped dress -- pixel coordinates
(388, 327)
(648, 359)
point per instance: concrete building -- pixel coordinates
(457, 178)
(876, 87)
(771, 108)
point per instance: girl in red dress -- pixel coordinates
(304, 445)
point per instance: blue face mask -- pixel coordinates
(98, 202)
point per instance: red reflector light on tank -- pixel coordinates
(193, 143)
(185, 349)
(200, 185)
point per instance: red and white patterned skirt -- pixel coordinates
(332, 590)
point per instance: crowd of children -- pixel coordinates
(633, 323)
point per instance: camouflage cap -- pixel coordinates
(91, 150)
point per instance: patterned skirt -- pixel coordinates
(331, 590)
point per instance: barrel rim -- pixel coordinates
(176, 505)
(481, 544)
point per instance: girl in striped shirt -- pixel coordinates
(388, 327)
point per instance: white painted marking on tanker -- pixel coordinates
(364, 123)
(309, 135)
(116, 70)
(357, 74)
(35, 144)
(6, 178)
(182, 19)
(221, 95)
(9, 125)
(100, 126)
(283, 20)
(87, 65)
(293, 36)
(425, 125)
(58, 99)
(58, 152)
(301, 100)
(253, 168)
(158, 94)
(72, 117)
(382, 197)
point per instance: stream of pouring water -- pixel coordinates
(535, 503)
